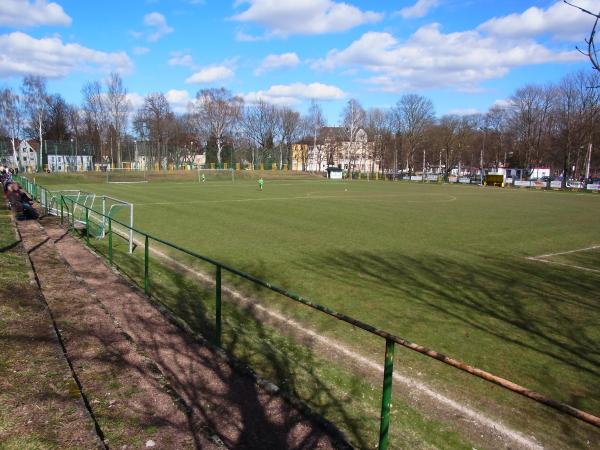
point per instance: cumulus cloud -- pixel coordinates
(274, 62)
(432, 59)
(291, 94)
(285, 18)
(135, 100)
(211, 74)
(241, 36)
(560, 20)
(178, 99)
(158, 23)
(140, 50)
(464, 111)
(22, 54)
(180, 59)
(16, 13)
(419, 9)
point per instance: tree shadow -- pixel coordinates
(541, 318)
(224, 401)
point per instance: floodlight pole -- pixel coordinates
(588, 161)
(481, 174)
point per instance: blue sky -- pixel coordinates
(463, 54)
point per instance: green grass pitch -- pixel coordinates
(453, 268)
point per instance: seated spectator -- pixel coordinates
(21, 202)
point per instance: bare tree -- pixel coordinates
(153, 121)
(531, 117)
(577, 114)
(55, 126)
(591, 52)
(413, 115)
(260, 124)
(289, 130)
(35, 100)
(10, 116)
(316, 120)
(217, 112)
(118, 107)
(353, 119)
(96, 116)
(377, 126)
(497, 122)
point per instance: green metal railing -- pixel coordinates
(67, 204)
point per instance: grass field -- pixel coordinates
(506, 280)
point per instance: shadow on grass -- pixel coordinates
(541, 319)
(222, 401)
(539, 302)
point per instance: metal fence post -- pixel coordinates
(87, 225)
(146, 266)
(110, 243)
(61, 210)
(386, 396)
(218, 306)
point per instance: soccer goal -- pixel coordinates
(205, 175)
(126, 176)
(99, 209)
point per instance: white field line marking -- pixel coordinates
(476, 416)
(548, 255)
(587, 269)
(450, 198)
(543, 259)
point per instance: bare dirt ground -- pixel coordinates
(40, 405)
(146, 381)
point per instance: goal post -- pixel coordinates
(124, 176)
(100, 208)
(206, 175)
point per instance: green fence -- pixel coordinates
(63, 206)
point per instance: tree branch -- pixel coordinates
(591, 53)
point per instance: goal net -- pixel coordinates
(99, 209)
(126, 176)
(206, 175)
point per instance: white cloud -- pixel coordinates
(135, 100)
(140, 50)
(22, 54)
(178, 99)
(245, 37)
(291, 94)
(274, 62)
(180, 59)
(288, 17)
(419, 9)
(17, 13)
(560, 20)
(211, 74)
(503, 103)
(158, 22)
(431, 59)
(464, 111)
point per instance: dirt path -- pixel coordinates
(112, 330)
(40, 405)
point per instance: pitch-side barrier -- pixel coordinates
(68, 203)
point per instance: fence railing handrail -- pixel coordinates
(389, 337)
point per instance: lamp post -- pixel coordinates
(481, 157)
(71, 156)
(135, 154)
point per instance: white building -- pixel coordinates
(69, 163)
(26, 155)
(334, 149)
(524, 174)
